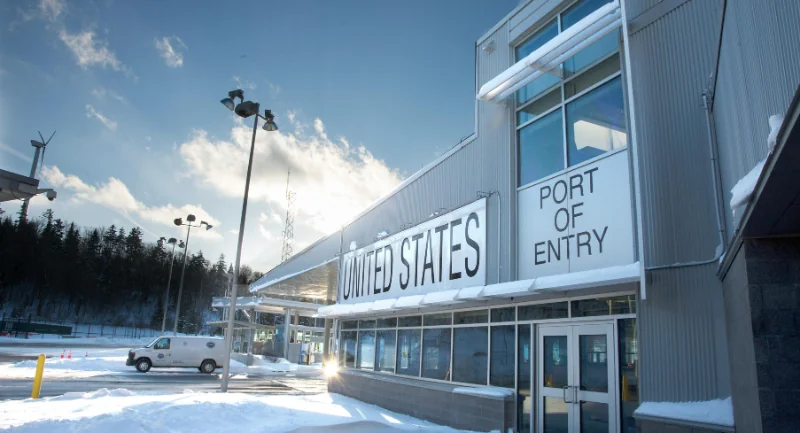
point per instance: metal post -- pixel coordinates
(180, 287)
(232, 313)
(287, 330)
(166, 297)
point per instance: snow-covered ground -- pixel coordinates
(122, 411)
(89, 362)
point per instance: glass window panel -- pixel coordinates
(387, 323)
(539, 106)
(597, 73)
(603, 47)
(594, 362)
(579, 11)
(504, 314)
(628, 373)
(555, 373)
(534, 42)
(594, 417)
(503, 356)
(438, 319)
(524, 365)
(556, 415)
(349, 324)
(366, 324)
(347, 349)
(467, 317)
(470, 354)
(408, 351)
(596, 123)
(366, 350)
(436, 354)
(386, 350)
(409, 321)
(557, 310)
(541, 148)
(604, 306)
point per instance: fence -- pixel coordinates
(22, 328)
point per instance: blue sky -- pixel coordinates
(365, 93)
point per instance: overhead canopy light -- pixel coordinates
(550, 55)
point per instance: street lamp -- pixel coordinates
(179, 222)
(181, 245)
(244, 109)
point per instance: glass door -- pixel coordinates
(576, 379)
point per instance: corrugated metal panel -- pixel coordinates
(637, 7)
(671, 61)
(682, 340)
(758, 74)
(324, 250)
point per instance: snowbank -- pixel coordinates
(123, 411)
(719, 412)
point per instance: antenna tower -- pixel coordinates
(288, 227)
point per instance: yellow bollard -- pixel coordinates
(625, 390)
(37, 380)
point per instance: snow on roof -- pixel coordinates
(486, 391)
(717, 412)
(743, 190)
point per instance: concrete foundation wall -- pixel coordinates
(434, 402)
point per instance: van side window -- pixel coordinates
(162, 344)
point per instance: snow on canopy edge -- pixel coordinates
(715, 412)
(483, 391)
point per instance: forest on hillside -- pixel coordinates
(53, 270)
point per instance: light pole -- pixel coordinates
(173, 242)
(179, 222)
(244, 109)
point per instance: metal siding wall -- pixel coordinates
(671, 61)
(682, 337)
(637, 7)
(681, 323)
(323, 251)
(758, 74)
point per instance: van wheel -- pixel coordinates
(143, 365)
(208, 366)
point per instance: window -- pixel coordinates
(575, 113)
(436, 354)
(350, 324)
(468, 317)
(366, 350)
(604, 306)
(347, 349)
(386, 350)
(508, 314)
(503, 356)
(556, 310)
(408, 351)
(470, 355)
(366, 324)
(387, 323)
(437, 319)
(628, 373)
(410, 321)
(163, 344)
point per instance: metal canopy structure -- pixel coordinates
(268, 305)
(317, 284)
(15, 186)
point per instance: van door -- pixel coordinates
(162, 353)
(182, 354)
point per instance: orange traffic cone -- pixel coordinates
(70, 354)
(62, 354)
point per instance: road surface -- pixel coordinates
(162, 381)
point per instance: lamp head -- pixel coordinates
(172, 241)
(270, 125)
(190, 218)
(181, 245)
(246, 109)
(178, 221)
(230, 101)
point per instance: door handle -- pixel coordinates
(565, 388)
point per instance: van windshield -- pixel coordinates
(150, 344)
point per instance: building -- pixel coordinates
(616, 236)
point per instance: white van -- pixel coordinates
(204, 353)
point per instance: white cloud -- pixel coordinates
(47, 10)
(332, 183)
(91, 112)
(114, 194)
(240, 84)
(274, 90)
(101, 93)
(90, 51)
(170, 50)
(291, 115)
(14, 152)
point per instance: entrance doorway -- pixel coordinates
(576, 378)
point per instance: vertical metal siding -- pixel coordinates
(323, 250)
(682, 338)
(681, 323)
(758, 74)
(671, 61)
(637, 7)
(484, 164)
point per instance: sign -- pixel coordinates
(577, 221)
(447, 252)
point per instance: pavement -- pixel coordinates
(161, 381)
